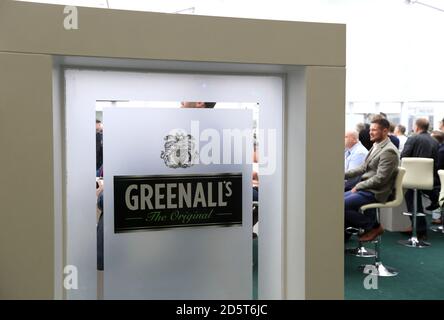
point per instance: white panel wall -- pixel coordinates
(206, 262)
(84, 87)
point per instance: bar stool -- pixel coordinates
(381, 270)
(419, 176)
(440, 229)
(360, 251)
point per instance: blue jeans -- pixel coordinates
(354, 218)
(350, 183)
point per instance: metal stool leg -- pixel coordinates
(377, 267)
(414, 242)
(439, 229)
(360, 251)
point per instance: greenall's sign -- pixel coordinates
(167, 201)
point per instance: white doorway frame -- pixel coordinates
(84, 87)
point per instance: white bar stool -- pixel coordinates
(360, 251)
(419, 176)
(377, 267)
(440, 229)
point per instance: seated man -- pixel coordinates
(378, 175)
(354, 156)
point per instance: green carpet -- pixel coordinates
(421, 271)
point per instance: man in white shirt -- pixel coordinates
(355, 152)
(354, 156)
(400, 134)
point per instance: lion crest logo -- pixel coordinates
(179, 150)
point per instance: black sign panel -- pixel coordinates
(151, 202)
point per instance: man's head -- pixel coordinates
(360, 126)
(99, 126)
(379, 129)
(421, 125)
(377, 116)
(438, 135)
(400, 130)
(351, 138)
(441, 125)
(186, 104)
(392, 128)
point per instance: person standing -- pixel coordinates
(400, 133)
(421, 145)
(99, 147)
(393, 137)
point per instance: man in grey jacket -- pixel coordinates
(377, 180)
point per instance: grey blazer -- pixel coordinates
(378, 172)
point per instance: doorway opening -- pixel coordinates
(86, 90)
(105, 104)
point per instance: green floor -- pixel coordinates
(421, 271)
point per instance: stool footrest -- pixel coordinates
(414, 242)
(419, 214)
(361, 252)
(439, 229)
(353, 231)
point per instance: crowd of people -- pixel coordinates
(372, 156)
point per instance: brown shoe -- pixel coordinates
(436, 221)
(372, 234)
